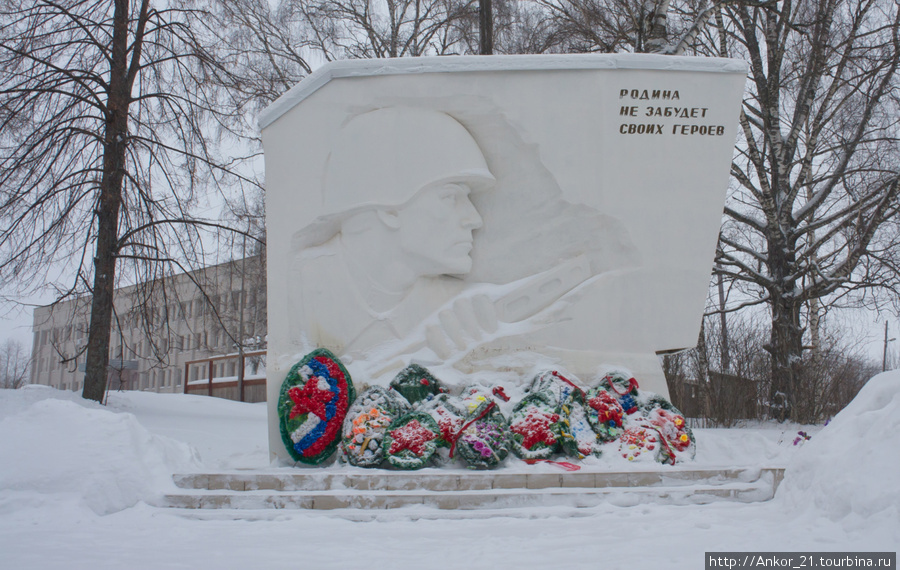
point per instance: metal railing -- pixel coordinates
(210, 364)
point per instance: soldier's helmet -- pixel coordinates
(384, 157)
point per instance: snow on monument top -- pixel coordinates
(471, 63)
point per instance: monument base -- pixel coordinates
(468, 494)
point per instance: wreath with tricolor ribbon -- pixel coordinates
(312, 404)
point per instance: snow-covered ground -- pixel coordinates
(78, 481)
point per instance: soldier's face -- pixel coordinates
(436, 229)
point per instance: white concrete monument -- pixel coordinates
(493, 215)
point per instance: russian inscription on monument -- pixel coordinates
(669, 98)
(496, 215)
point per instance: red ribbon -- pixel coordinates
(662, 440)
(567, 381)
(632, 385)
(564, 464)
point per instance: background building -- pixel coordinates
(165, 333)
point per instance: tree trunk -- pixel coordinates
(786, 345)
(702, 355)
(108, 205)
(655, 26)
(486, 26)
(724, 353)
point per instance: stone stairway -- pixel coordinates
(327, 490)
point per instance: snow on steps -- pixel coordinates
(468, 491)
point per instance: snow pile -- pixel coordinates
(849, 469)
(225, 434)
(59, 454)
(62, 447)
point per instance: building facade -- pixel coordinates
(165, 333)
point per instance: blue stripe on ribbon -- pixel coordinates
(320, 369)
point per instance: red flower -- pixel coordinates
(608, 408)
(310, 399)
(412, 436)
(672, 426)
(535, 428)
(449, 424)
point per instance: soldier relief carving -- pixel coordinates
(489, 218)
(443, 238)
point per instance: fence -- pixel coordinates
(226, 376)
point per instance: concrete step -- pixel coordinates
(382, 489)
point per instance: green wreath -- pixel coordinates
(411, 440)
(534, 427)
(678, 438)
(312, 405)
(416, 383)
(366, 423)
(446, 411)
(605, 414)
(483, 441)
(577, 435)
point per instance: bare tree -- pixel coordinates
(348, 29)
(14, 365)
(698, 383)
(640, 26)
(104, 152)
(516, 27)
(809, 222)
(598, 25)
(254, 52)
